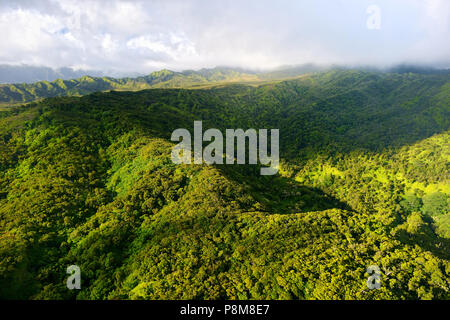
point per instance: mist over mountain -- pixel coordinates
(30, 74)
(26, 92)
(12, 74)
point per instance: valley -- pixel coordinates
(363, 180)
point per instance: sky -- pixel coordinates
(143, 36)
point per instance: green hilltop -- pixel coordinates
(363, 180)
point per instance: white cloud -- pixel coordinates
(146, 35)
(109, 44)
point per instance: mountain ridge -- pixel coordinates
(19, 93)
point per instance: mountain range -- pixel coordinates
(76, 83)
(86, 179)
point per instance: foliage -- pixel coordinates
(363, 180)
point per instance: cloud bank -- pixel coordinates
(142, 36)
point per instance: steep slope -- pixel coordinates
(89, 181)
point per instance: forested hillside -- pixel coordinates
(364, 180)
(27, 92)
